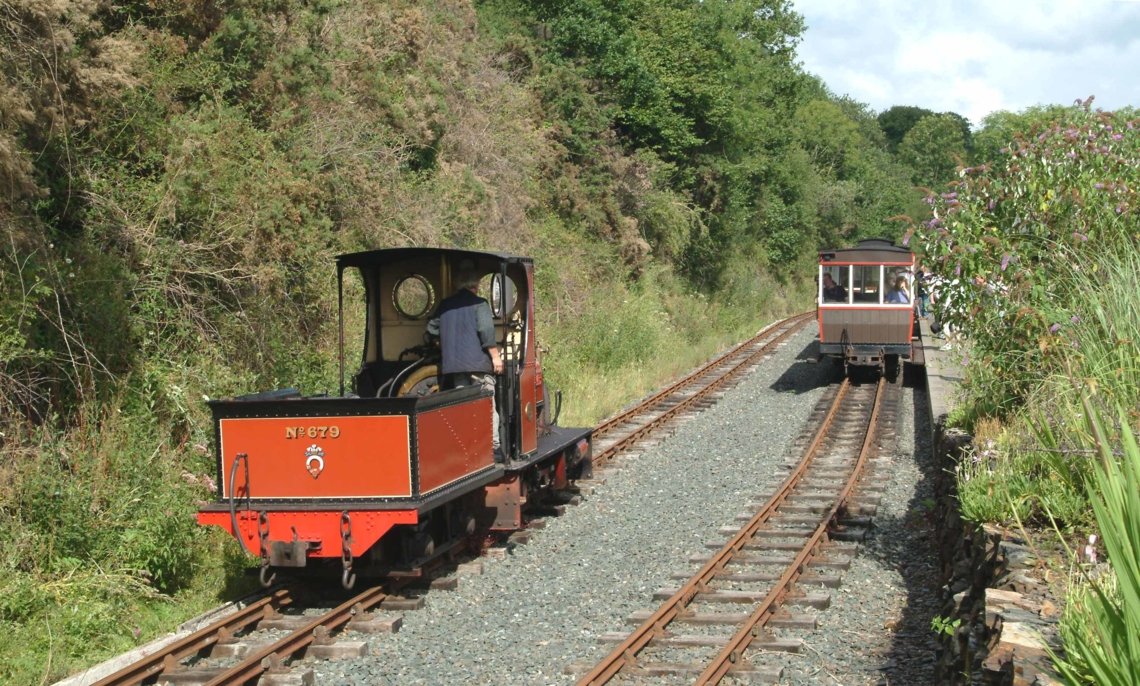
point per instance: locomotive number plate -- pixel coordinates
(332, 431)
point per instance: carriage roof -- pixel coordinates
(871, 251)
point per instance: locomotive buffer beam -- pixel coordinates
(293, 553)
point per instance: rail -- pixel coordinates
(625, 656)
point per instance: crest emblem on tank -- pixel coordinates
(314, 460)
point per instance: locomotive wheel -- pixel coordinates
(423, 381)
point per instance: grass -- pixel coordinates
(86, 616)
(623, 349)
(1101, 625)
(589, 400)
(99, 549)
(999, 483)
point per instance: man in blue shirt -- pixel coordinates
(466, 330)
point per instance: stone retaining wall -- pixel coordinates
(996, 610)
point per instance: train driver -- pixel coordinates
(469, 354)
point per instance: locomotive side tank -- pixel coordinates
(393, 472)
(860, 320)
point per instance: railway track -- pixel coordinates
(693, 392)
(260, 643)
(789, 546)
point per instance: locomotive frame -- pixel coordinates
(393, 472)
(862, 329)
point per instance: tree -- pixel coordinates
(999, 129)
(829, 136)
(964, 124)
(933, 148)
(898, 120)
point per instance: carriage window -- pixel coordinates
(893, 277)
(865, 287)
(413, 296)
(835, 288)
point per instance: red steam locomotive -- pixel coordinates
(395, 473)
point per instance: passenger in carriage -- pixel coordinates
(899, 294)
(468, 351)
(833, 292)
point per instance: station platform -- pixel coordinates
(943, 373)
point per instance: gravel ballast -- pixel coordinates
(542, 606)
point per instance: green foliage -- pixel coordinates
(1101, 624)
(1036, 253)
(669, 68)
(1104, 337)
(831, 137)
(72, 615)
(98, 524)
(666, 220)
(999, 129)
(614, 334)
(711, 90)
(934, 148)
(1027, 248)
(858, 189)
(964, 128)
(90, 497)
(897, 121)
(25, 293)
(1011, 483)
(1042, 476)
(944, 625)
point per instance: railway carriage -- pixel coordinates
(857, 322)
(394, 473)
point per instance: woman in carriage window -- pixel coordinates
(899, 294)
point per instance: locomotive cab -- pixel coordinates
(394, 471)
(862, 318)
(399, 291)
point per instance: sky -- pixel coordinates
(974, 57)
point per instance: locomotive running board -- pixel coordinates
(557, 440)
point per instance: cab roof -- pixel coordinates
(372, 258)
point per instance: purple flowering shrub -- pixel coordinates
(1010, 243)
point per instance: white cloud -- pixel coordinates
(945, 51)
(974, 56)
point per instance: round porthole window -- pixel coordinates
(413, 296)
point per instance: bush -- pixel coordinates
(106, 497)
(1006, 237)
(1046, 471)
